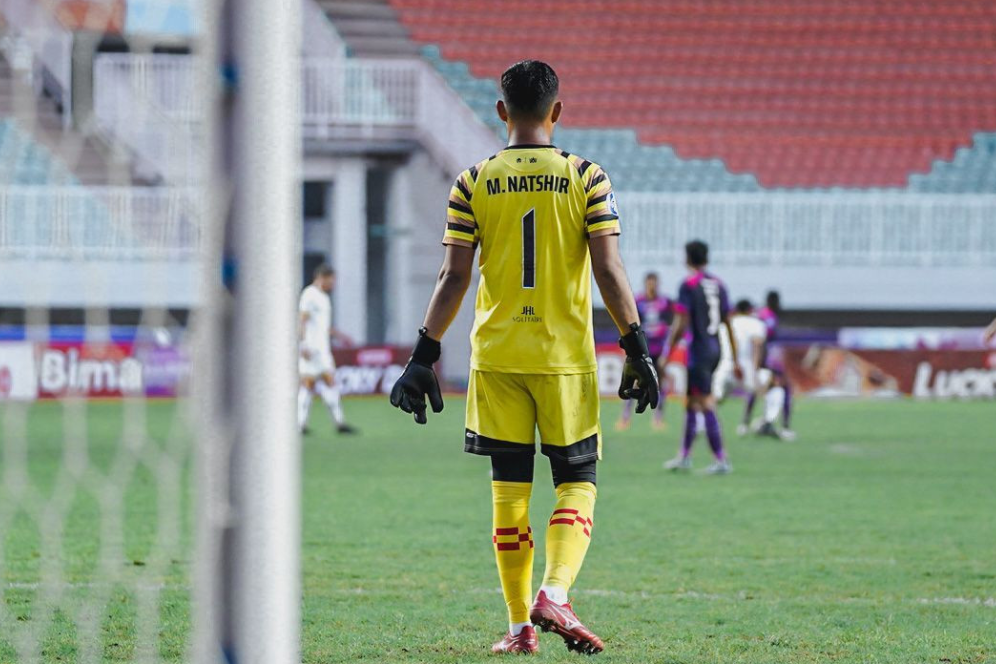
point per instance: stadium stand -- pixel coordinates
(369, 28)
(973, 170)
(55, 199)
(634, 166)
(25, 162)
(815, 95)
(39, 147)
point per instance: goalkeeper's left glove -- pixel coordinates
(639, 377)
(418, 380)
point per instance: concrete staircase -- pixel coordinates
(86, 154)
(370, 28)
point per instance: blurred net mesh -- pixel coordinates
(100, 248)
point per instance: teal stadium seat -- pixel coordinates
(29, 166)
(973, 170)
(23, 161)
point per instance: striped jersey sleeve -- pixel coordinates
(461, 226)
(602, 214)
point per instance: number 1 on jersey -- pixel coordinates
(529, 249)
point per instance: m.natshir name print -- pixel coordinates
(529, 183)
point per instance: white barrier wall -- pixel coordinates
(98, 246)
(98, 223)
(848, 250)
(841, 229)
(842, 250)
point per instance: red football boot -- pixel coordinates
(561, 619)
(525, 643)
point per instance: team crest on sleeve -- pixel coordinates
(611, 200)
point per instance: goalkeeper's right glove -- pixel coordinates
(639, 378)
(418, 380)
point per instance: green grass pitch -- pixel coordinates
(872, 539)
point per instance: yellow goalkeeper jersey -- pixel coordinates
(532, 208)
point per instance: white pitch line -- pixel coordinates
(741, 596)
(969, 601)
(89, 585)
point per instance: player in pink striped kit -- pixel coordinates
(656, 311)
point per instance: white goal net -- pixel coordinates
(149, 259)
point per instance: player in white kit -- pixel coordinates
(750, 333)
(315, 364)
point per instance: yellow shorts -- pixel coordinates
(505, 409)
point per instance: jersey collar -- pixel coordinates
(529, 146)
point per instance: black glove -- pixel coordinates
(639, 377)
(419, 380)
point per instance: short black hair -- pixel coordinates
(529, 89)
(650, 275)
(774, 301)
(744, 306)
(323, 270)
(697, 253)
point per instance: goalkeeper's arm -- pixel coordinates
(639, 379)
(610, 275)
(418, 382)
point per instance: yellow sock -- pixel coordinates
(513, 540)
(569, 533)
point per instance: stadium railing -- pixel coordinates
(813, 229)
(147, 101)
(166, 81)
(50, 42)
(368, 96)
(357, 98)
(117, 223)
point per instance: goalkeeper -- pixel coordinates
(544, 221)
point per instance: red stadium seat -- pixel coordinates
(801, 93)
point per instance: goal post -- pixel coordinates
(247, 586)
(150, 262)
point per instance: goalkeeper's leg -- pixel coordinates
(501, 424)
(567, 416)
(569, 531)
(567, 538)
(511, 487)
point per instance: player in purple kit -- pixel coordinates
(702, 307)
(656, 313)
(778, 398)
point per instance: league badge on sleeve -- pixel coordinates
(611, 200)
